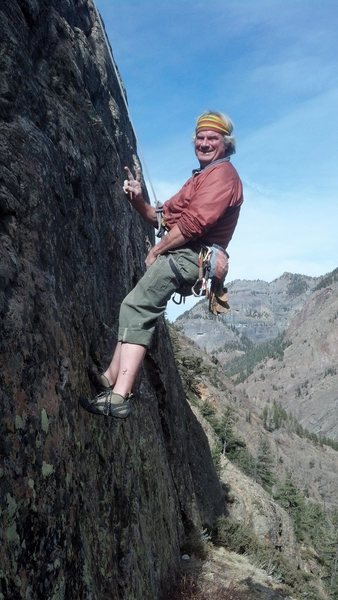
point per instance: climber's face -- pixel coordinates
(209, 146)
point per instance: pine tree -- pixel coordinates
(264, 465)
(290, 498)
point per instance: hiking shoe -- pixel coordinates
(108, 403)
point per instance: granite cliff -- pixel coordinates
(90, 508)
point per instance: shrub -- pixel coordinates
(240, 538)
(192, 588)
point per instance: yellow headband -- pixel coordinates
(214, 123)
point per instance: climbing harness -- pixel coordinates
(213, 264)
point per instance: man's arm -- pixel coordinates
(173, 239)
(132, 187)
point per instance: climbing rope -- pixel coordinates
(118, 78)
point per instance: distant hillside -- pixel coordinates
(259, 312)
(289, 351)
(281, 483)
(304, 378)
(263, 382)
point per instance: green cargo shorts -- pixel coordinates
(172, 272)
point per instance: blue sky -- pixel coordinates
(272, 66)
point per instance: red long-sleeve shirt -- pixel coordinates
(207, 206)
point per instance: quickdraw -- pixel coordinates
(213, 265)
(161, 228)
(200, 287)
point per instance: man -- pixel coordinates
(204, 212)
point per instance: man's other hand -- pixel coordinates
(132, 186)
(150, 259)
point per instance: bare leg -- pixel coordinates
(113, 370)
(124, 366)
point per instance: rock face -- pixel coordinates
(253, 505)
(90, 508)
